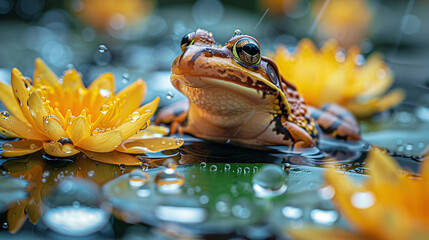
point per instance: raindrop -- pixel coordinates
(213, 168)
(324, 217)
(134, 116)
(203, 164)
(169, 180)
(227, 167)
(5, 225)
(91, 173)
(5, 114)
(292, 212)
(102, 48)
(363, 200)
(169, 95)
(8, 147)
(125, 78)
(270, 181)
(138, 178)
(104, 109)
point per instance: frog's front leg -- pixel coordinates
(336, 122)
(175, 115)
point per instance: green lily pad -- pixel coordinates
(217, 197)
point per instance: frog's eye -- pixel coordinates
(187, 40)
(246, 51)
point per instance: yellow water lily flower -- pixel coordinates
(390, 204)
(64, 118)
(329, 75)
(347, 21)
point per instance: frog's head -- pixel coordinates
(234, 76)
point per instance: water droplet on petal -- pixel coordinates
(270, 181)
(102, 48)
(91, 173)
(134, 116)
(5, 114)
(8, 147)
(52, 117)
(33, 146)
(169, 180)
(104, 109)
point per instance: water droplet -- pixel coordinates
(270, 181)
(138, 178)
(134, 116)
(169, 95)
(52, 117)
(213, 168)
(5, 225)
(363, 200)
(105, 93)
(242, 209)
(286, 167)
(409, 147)
(104, 109)
(71, 119)
(8, 147)
(246, 170)
(340, 56)
(46, 174)
(102, 48)
(326, 193)
(67, 148)
(239, 170)
(169, 180)
(255, 169)
(204, 199)
(5, 114)
(169, 163)
(203, 164)
(422, 113)
(227, 167)
(324, 217)
(237, 32)
(33, 146)
(292, 212)
(91, 173)
(125, 78)
(359, 60)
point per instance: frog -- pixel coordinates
(235, 95)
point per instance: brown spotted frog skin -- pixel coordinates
(238, 96)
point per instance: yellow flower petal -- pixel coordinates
(59, 150)
(132, 96)
(16, 216)
(104, 81)
(72, 79)
(104, 142)
(143, 145)
(23, 130)
(10, 102)
(114, 158)
(37, 109)
(21, 93)
(43, 71)
(79, 129)
(133, 126)
(152, 106)
(8, 134)
(21, 147)
(54, 128)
